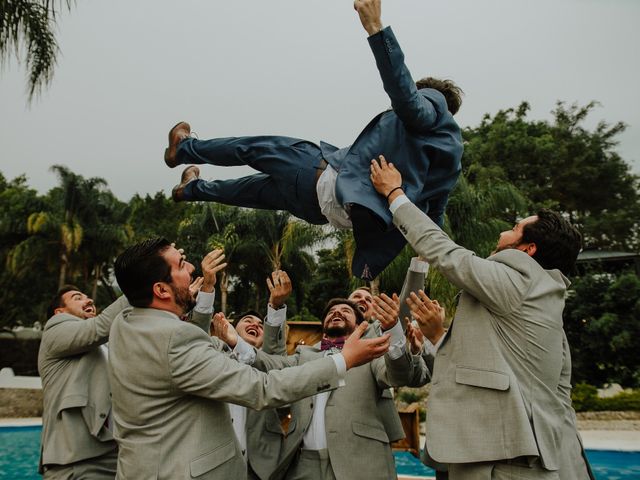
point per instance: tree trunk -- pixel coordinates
(63, 270)
(96, 277)
(224, 291)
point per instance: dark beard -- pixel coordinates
(336, 332)
(183, 299)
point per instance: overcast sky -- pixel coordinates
(129, 70)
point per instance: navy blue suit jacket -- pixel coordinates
(423, 141)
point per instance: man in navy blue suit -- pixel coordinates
(324, 184)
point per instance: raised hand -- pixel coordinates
(279, 288)
(369, 12)
(387, 310)
(429, 315)
(415, 338)
(195, 286)
(386, 179)
(211, 264)
(224, 330)
(358, 351)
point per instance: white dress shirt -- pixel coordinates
(329, 205)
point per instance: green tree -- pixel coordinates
(27, 30)
(602, 321)
(562, 165)
(24, 292)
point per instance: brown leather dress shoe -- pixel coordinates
(178, 133)
(189, 174)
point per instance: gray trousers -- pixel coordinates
(311, 465)
(98, 468)
(500, 471)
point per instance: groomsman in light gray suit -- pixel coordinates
(494, 411)
(77, 439)
(170, 380)
(345, 434)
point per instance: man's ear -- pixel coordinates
(162, 291)
(528, 248)
(59, 310)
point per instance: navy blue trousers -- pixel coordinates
(287, 178)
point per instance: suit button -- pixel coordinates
(312, 405)
(102, 415)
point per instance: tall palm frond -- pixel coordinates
(28, 26)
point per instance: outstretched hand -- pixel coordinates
(387, 310)
(279, 288)
(386, 179)
(429, 315)
(415, 338)
(211, 264)
(369, 12)
(358, 351)
(224, 330)
(195, 286)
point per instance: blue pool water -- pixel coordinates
(20, 447)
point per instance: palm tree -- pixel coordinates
(63, 224)
(27, 25)
(275, 240)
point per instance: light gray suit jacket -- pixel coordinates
(494, 392)
(75, 387)
(354, 414)
(574, 464)
(170, 383)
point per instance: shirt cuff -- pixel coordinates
(398, 341)
(341, 366)
(432, 349)
(204, 302)
(400, 200)
(276, 318)
(244, 352)
(418, 265)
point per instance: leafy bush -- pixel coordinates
(585, 398)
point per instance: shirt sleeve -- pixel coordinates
(432, 349)
(341, 366)
(244, 352)
(276, 318)
(204, 302)
(400, 200)
(398, 341)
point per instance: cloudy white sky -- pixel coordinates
(129, 70)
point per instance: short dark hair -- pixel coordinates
(452, 93)
(139, 267)
(557, 241)
(249, 312)
(57, 301)
(340, 301)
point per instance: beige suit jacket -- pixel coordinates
(355, 414)
(75, 387)
(494, 392)
(170, 383)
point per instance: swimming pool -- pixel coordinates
(20, 448)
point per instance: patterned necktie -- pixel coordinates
(326, 344)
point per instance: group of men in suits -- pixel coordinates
(499, 405)
(167, 400)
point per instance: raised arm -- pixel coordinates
(65, 335)
(499, 286)
(417, 112)
(413, 281)
(280, 288)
